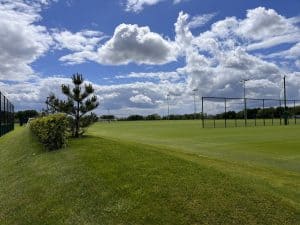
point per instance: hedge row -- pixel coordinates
(51, 130)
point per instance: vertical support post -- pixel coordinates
(195, 108)
(1, 114)
(295, 112)
(285, 106)
(202, 113)
(168, 99)
(280, 112)
(4, 114)
(255, 120)
(214, 122)
(225, 116)
(264, 112)
(245, 104)
(11, 117)
(13, 111)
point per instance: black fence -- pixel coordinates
(237, 112)
(6, 115)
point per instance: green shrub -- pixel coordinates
(51, 130)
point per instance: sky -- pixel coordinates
(136, 52)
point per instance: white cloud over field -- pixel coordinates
(214, 60)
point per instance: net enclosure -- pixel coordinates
(237, 112)
(6, 115)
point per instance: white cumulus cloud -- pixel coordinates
(22, 41)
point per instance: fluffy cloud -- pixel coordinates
(138, 5)
(22, 42)
(141, 99)
(292, 53)
(120, 99)
(85, 40)
(33, 93)
(161, 76)
(215, 61)
(200, 20)
(297, 63)
(218, 59)
(84, 45)
(264, 23)
(130, 43)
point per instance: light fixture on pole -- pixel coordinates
(243, 81)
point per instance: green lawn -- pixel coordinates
(153, 173)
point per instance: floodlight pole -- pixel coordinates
(245, 101)
(285, 105)
(195, 109)
(202, 114)
(168, 99)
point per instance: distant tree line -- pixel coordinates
(158, 117)
(271, 112)
(23, 116)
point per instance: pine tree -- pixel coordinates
(77, 105)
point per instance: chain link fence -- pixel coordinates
(238, 112)
(6, 115)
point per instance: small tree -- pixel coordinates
(77, 105)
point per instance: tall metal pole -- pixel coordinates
(285, 106)
(195, 108)
(202, 114)
(295, 112)
(245, 100)
(0, 114)
(225, 116)
(168, 98)
(264, 120)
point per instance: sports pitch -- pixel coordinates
(269, 156)
(160, 172)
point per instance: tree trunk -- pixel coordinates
(77, 118)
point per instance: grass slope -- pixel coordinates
(269, 156)
(101, 181)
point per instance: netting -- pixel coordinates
(6, 115)
(237, 112)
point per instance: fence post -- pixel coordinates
(4, 114)
(245, 113)
(202, 116)
(295, 112)
(264, 112)
(280, 111)
(13, 113)
(1, 115)
(225, 113)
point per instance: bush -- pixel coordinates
(51, 130)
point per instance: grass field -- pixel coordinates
(163, 172)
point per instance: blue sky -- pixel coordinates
(135, 52)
